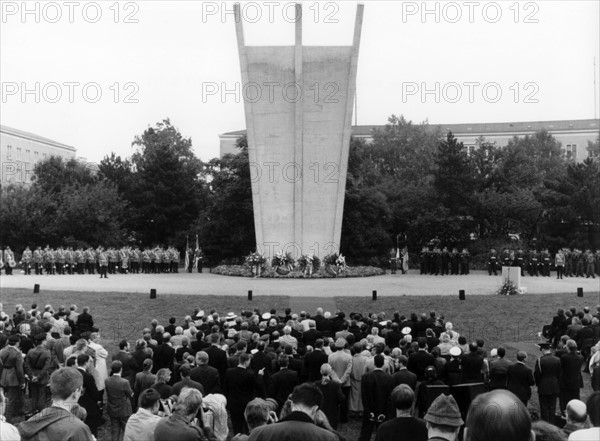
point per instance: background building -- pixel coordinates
(572, 134)
(20, 151)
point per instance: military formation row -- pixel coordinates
(91, 261)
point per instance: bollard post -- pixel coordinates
(36, 288)
(249, 294)
(579, 292)
(461, 294)
(152, 293)
(374, 295)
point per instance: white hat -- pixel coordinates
(455, 351)
(230, 316)
(494, 352)
(200, 314)
(406, 330)
(266, 316)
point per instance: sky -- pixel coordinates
(94, 75)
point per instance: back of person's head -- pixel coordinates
(462, 340)
(116, 367)
(571, 345)
(163, 375)
(284, 361)
(307, 394)
(403, 359)
(256, 413)
(501, 352)
(498, 416)
(576, 411)
(244, 358)
(422, 343)
(185, 370)
(480, 342)
(521, 355)
(545, 431)
(379, 360)
(123, 344)
(593, 408)
(189, 401)
(64, 382)
(148, 398)
(403, 397)
(202, 357)
(473, 347)
(82, 359)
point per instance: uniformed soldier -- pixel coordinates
(493, 263)
(437, 261)
(424, 260)
(90, 260)
(534, 260)
(174, 260)
(545, 262)
(520, 261)
(589, 264)
(112, 260)
(505, 258)
(124, 259)
(70, 256)
(191, 261)
(198, 259)
(103, 262)
(79, 260)
(393, 261)
(568, 262)
(38, 260)
(136, 256)
(52, 261)
(166, 260)
(445, 261)
(146, 261)
(61, 261)
(465, 257)
(454, 261)
(27, 258)
(578, 262)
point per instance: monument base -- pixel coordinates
(512, 274)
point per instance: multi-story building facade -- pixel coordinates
(572, 134)
(20, 151)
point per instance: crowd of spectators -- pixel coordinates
(263, 376)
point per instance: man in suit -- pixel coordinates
(185, 371)
(206, 375)
(418, 361)
(118, 399)
(90, 397)
(217, 357)
(240, 386)
(314, 360)
(520, 378)
(472, 365)
(341, 362)
(375, 392)
(143, 380)
(404, 376)
(404, 427)
(498, 370)
(37, 368)
(547, 375)
(164, 354)
(571, 380)
(310, 337)
(283, 382)
(12, 377)
(130, 366)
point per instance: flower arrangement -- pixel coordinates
(256, 262)
(309, 264)
(283, 260)
(507, 289)
(335, 263)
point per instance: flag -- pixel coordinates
(398, 253)
(196, 253)
(187, 254)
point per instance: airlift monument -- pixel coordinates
(298, 103)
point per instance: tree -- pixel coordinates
(54, 173)
(168, 193)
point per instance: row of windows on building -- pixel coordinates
(570, 151)
(19, 156)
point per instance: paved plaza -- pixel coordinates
(477, 283)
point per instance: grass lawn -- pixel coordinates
(512, 321)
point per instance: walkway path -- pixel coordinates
(477, 283)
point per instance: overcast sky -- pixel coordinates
(149, 60)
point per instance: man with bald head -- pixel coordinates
(577, 417)
(498, 416)
(206, 375)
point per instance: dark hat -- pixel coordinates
(444, 411)
(543, 346)
(13, 339)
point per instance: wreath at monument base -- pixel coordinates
(271, 273)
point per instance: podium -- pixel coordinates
(512, 274)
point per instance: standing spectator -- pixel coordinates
(404, 376)
(179, 425)
(217, 357)
(164, 355)
(258, 413)
(130, 367)
(8, 432)
(57, 422)
(547, 375)
(520, 378)
(360, 359)
(90, 396)
(12, 377)
(314, 360)
(85, 321)
(37, 368)
(443, 419)
(404, 427)
(100, 369)
(498, 371)
(283, 382)
(559, 263)
(571, 380)
(498, 416)
(118, 401)
(420, 360)
(142, 424)
(299, 425)
(163, 376)
(376, 387)
(206, 375)
(472, 365)
(576, 415)
(332, 395)
(186, 381)
(240, 387)
(341, 363)
(143, 380)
